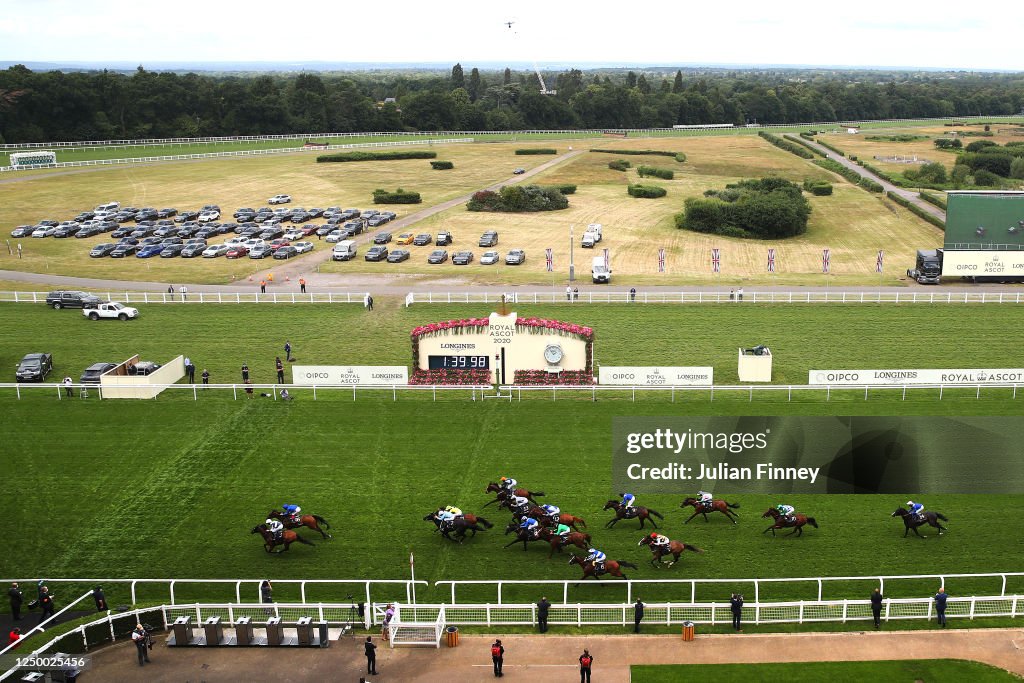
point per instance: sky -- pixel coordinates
(906, 33)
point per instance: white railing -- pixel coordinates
(756, 585)
(719, 297)
(515, 391)
(406, 628)
(203, 297)
(271, 391)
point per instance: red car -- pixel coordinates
(278, 243)
(238, 251)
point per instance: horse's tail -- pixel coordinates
(655, 513)
(582, 523)
(693, 548)
(484, 522)
(810, 520)
(321, 520)
(300, 539)
(623, 563)
(732, 505)
(939, 515)
(536, 494)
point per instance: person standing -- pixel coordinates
(140, 638)
(280, 370)
(302, 285)
(99, 598)
(586, 663)
(68, 385)
(16, 599)
(739, 294)
(369, 302)
(389, 614)
(205, 376)
(45, 604)
(266, 591)
(876, 607)
(245, 372)
(632, 294)
(940, 606)
(170, 289)
(736, 605)
(287, 350)
(190, 370)
(371, 655)
(542, 614)
(568, 292)
(497, 657)
(184, 292)
(638, 615)
(263, 286)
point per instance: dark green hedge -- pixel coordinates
(769, 208)
(832, 147)
(849, 174)
(915, 209)
(880, 173)
(399, 196)
(946, 143)
(818, 188)
(376, 156)
(619, 165)
(933, 199)
(565, 189)
(518, 198)
(790, 147)
(663, 173)
(813, 150)
(539, 150)
(441, 165)
(646, 191)
(643, 152)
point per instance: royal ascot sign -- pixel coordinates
(349, 374)
(641, 376)
(983, 263)
(927, 376)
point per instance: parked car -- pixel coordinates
(324, 230)
(110, 309)
(166, 213)
(382, 238)
(171, 250)
(293, 234)
(23, 231)
(237, 251)
(355, 226)
(208, 216)
(336, 235)
(405, 238)
(279, 199)
(516, 257)
(244, 211)
(303, 247)
(398, 255)
(489, 239)
(437, 256)
(34, 367)
(93, 372)
(489, 258)
(519, 171)
(278, 243)
(215, 250)
(375, 221)
(70, 299)
(344, 250)
(423, 239)
(271, 233)
(124, 249)
(285, 252)
(443, 238)
(377, 253)
(123, 232)
(44, 231)
(462, 258)
(67, 229)
(193, 249)
(149, 251)
(261, 251)
(101, 250)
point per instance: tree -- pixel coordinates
(458, 79)
(1017, 168)
(631, 80)
(476, 85)
(642, 85)
(677, 84)
(507, 77)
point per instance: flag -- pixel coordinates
(826, 261)
(607, 263)
(661, 260)
(550, 259)
(716, 262)
(878, 261)
(771, 260)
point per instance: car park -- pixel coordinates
(261, 251)
(489, 239)
(23, 231)
(101, 250)
(444, 237)
(93, 373)
(149, 251)
(519, 171)
(516, 257)
(489, 258)
(279, 199)
(171, 250)
(437, 256)
(34, 367)
(462, 258)
(215, 250)
(124, 249)
(303, 247)
(377, 253)
(237, 251)
(110, 309)
(382, 238)
(423, 239)
(405, 238)
(70, 298)
(398, 255)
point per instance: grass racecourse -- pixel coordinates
(171, 487)
(908, 671)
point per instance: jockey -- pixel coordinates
(786, 511)
(704, 498)
(518, 504)
(455, 512)
(508, 484)
(627, 503)
(292, 511)
(659, 540)
(446, 517)
(552, 512)
(562, 531)
(531, 525)
(275, 527)
(915, 508)
(598, 558)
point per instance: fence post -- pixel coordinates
(172, 591)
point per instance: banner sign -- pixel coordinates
(879, 260)
(929, 376)
(901, 456)
(968, 263)
(349, 374)
(549, 259)
(657, 376)
(661, 260)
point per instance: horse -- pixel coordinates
(494, 487)
(613, 567)
(675, 548)
(797, 522)
(623, 513)
(700, 508)
(287, 538)
(576, 538)
(568, 520)
(460, 525)
(310, 521)
(912, 521)
(522, 535)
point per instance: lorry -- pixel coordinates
(599, 272)
(591, 236)
(928, 268)
(110, 309)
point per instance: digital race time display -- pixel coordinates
(459, 362)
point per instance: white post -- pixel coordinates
(412, 572)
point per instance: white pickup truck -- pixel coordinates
(110, 309)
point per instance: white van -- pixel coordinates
(599, 272)
(344, 250)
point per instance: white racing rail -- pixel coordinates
(207, 297)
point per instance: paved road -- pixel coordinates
(909, 195)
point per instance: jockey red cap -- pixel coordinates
(654, 534)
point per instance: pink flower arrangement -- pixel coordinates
(533, 377)
(451, 376)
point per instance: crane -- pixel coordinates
(543, 86)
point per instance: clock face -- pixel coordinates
(553, 353)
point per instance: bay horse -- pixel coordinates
(700, 508)
(675, 548)
(570, 521)
(495, 487)
(576, 538)
(309, 521)
(287, 538)
(460, 525)
(796, 523)
(613, 567)
(522, 535)
(912, 521)
(621, 513)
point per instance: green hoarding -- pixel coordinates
(985, 221)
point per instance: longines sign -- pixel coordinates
(350, 374)
(928, 376)
(657, 376)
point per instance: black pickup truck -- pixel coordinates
(71, 299)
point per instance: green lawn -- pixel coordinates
(904, 671)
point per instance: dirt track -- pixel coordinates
(540, 659)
